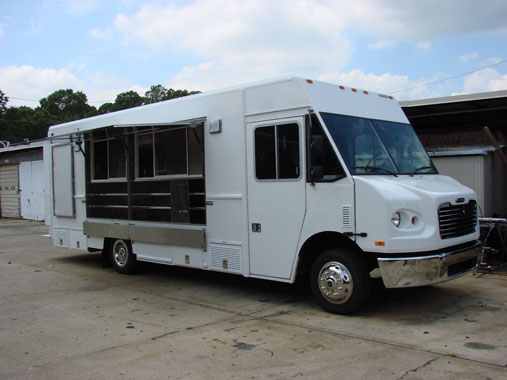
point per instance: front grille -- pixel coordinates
(457, 220)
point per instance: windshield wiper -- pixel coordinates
(375, 169)
(417, 170)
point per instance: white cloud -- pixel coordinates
(423, 45)
(139, 89)
(384, 84)
(102, 34)
(222, 28)
(232, 42)
(485, 80)
(424, 20)
(469, 57)
(382, 44)
(239, 41)
(490, 61)
(34, 83)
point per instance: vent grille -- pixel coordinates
(61, 238)
(225, 257)
(457, 220)
(347, 217)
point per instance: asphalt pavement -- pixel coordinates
(64, 316)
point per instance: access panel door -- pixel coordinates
(276, 195)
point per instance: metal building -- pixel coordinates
(465, 135)
(21, 182)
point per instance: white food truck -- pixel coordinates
(273, 180)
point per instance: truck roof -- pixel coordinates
(260, 97)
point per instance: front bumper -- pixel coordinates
(408, 272)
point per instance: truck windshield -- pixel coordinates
(378, 147)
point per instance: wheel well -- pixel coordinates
(107, 244)
(319, 243)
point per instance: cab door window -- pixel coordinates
(277, 152)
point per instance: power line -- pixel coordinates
(33, 100)
(28, 100)
(449, 78)
(392, 92)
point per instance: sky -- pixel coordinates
(409, 49)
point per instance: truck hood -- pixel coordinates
(437, 187)
(417, 200)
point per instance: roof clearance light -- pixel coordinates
(365, 92)
(353, 90)
(309, 81)
(390, 97)
(341, 87)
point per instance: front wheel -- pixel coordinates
(340, 281)
(123, 258)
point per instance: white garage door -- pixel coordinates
(9, 194)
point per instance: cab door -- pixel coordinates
(276, 195)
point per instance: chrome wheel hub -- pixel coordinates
(120, 253)
(335, 282)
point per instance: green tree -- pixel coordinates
(159, 93)
(3, 102)
(106, 108)
(67, 105)
(172, 94)
(156, 94)
(19, 123)
(128, 99)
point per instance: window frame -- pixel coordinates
(277, 161)
(329, 146)
(92, 163)
(161, 129)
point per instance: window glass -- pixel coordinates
(359, 144)
(171, 152)
(404, 147)
(277, 152)
(145, 155)
(378, 147)
(117, 159)
(265, 155)
(326, 158)
(100, 160)
(288, 151)
(195, 150)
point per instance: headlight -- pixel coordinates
(396, 219)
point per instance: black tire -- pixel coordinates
(340, 281)
(122, 257)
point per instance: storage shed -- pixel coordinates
(22, 182)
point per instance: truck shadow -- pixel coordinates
(416, 304)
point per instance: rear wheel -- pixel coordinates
(340, 281)
(123, 258)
